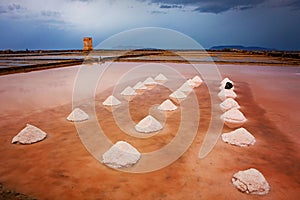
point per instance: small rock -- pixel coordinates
(228, 85)
(251, 181)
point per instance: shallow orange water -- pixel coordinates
(61, 168)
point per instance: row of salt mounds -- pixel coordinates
(251, 181)
(239, 137)
(111, 101)
(121, 154)
(233, 118)
(128, 91)
(228, 104)
(30, 134)
(78, 115)
(167, 105)
(160, 79)
(148, 125)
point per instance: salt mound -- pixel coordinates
(139, 86)
(228, 104)
(251, 181)
(111, 101)
(239, 137)
(129, 91)
(120, 155)
(149, 81)
(160, 78)
(225, 80)
(233, 118)
(224, 94)
(30, 134)
(148, 124)
(197, 80)
(191, 83)
(167, 105)
(77, 115)
(178, 95)
(186, 88)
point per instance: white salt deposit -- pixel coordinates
(178, 95)
(77, 115)
(30, 134)
(251, 181)
(225, 80)
(239, 137)
(233, 118)
(197, 80)
(160, 78)
(186, 88)
(191, 83)
(228, 104)
(150, 81)
(167, 105)
(139, 86)
(148, 124)
(120, 155)
(111, 101)
(224, 94)
(129, 91)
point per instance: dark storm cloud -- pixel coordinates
(219, 6)
(166, 6)
(48, 13)
(10, 8)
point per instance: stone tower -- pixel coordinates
(87, 44)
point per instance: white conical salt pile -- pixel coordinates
(178, 95)
(28, 135)
(167, 105)
(186, 88)
(224, 94)
(225, 80)
(111, 101)
(139, 86)
(77, 115)
(228, 104)
(150, 81)
(160, 78)
(191, 83)
(129, 91)
(239, 137)
(197, 80)
(233, 118)
(120, 155)
(251, 181)
(148, 124)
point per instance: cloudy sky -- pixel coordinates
(61, 24)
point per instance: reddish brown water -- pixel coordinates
(61, 168)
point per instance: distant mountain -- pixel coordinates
(240, 47)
